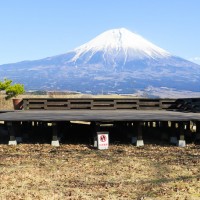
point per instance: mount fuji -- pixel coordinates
(116, 61)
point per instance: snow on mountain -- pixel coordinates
(119, 43)
(116, 61)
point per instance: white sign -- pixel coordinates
(102, 140)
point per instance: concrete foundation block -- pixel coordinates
(12, 142)
(19, 139)
(55, 143)
(173, 140)
(95, 143)
(133, 140)
(139, 143)
(181, 143)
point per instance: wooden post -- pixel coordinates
(95, 128)
(26, 126)
(173, 134)
(55, 141)
(18, 130)
(181, 141)
(157, 124)
(151, 123)
(164, 130)
(197, 138)
(133, 133)
(138, 140)
(187, 125)
(60, 128)
(11, 131)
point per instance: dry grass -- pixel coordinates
(80, 172)
(151, 172)
(5, 104)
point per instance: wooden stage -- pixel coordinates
(170, 116)
(94, 115)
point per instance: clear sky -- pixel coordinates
(34, 29)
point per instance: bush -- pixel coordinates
(5, 84)
(11, 90)
(14, 90)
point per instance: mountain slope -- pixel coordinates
(116, 61)
(118, 44)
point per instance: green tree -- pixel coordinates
(5, 84)
(11, 90)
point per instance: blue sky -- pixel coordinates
(34, 29)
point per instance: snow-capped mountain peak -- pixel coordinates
(121, 41)
(117, 61)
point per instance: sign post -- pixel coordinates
(102, 140)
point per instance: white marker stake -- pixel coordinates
(102, 140)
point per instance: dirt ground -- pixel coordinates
(152, 172)
(33, 171)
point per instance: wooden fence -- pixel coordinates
(189, 104)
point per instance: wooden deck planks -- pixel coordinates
(100, 115)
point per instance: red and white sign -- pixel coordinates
(102, 140)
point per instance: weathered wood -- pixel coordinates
(55, 141)
(54, 132)
(12, 133)
(53, 103)
(139, 141)
(190, 104)
(139, 130)
(181, 141)
(102, 104)
(34, 106)
(101, 115)
(134, 101)
(102, 108)
(181, 130)
(148, 108)
(58, 108)
(95, 126)
(80, 106)
(123, 106)
(149, 104)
